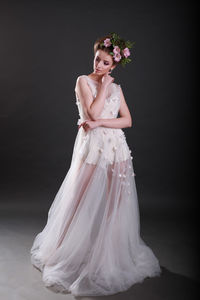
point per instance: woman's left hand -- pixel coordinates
(88, 125)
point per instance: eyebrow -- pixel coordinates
(104, 59)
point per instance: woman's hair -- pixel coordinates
(98, 46)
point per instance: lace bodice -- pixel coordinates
(112, 101)
(111, 142)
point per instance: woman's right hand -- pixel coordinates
(107, 79)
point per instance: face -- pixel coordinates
(102, 62)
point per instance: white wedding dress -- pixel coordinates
(91, 244)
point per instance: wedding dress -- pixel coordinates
(91, 243)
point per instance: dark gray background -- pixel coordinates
(45, 46)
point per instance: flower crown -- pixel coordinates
(121, 48)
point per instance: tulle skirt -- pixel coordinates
(91, 244)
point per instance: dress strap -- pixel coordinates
(92, 85)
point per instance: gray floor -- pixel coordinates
(171, 239)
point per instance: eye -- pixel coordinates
(105, 63)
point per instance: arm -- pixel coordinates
(123, 121)
(92, 108)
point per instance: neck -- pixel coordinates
(96, 77)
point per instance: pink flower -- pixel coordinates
(107, 42)
(117, 56)
(116, 50)
(126, 52)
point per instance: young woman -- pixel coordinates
(91, 244)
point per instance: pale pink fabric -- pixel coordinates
(91, 244)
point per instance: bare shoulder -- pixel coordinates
(81, 78)
(81, 81)
(83, 89)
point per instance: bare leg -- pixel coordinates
(113, 180)
(89, 169)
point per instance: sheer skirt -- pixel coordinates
(91, 244)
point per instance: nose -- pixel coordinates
(99, 65)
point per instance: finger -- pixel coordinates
(80, 125)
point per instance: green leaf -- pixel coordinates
(129, 44)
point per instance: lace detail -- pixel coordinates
(112, 102)
(91, 244)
